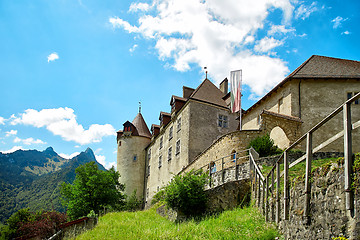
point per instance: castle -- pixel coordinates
(201, 128)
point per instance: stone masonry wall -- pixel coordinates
(328, 215)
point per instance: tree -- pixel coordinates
(186, 193)
(264, 145)
(92, 189)
(26, 224)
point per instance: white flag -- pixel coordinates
(235, 84)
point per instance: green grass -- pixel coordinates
(246, 223)
(299, 169)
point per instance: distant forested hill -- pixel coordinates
(32, 179)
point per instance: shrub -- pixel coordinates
(264, 145)
(186, 194)
(159, 196)
(133, 203)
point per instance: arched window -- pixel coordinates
(233, 156)
(212, 167)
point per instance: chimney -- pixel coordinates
(224, 86)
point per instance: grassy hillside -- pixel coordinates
(245, 223)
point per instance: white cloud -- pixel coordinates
(266, 44)
(211, 33)
(62, 122)
(338, 21)
(11, 132)
(98, 150)
(280, 29)
(134, 7)
(2, 121)
(68, 156)
(102, 161)
(13, 149)
(28, 141)
(304, 12)
(346, 33)
(133, 48)
(52, 57)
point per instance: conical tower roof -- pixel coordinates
(141, 126)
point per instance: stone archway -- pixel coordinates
(283, 129)
(279, 136)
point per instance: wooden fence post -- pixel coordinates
(255, 182)
(286, 187)
(266, 198)
(272, 196)
(348, 160)
(210, 175)
(308, 174)
(222, 170)
(259, 185)
(277, 216)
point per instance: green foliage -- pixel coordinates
(356, 174)
(27, 224)
(264, 145)
(185, 193)
(21, 188)
(159, 196)
(133, 203)
(92, 189)
(240, 223)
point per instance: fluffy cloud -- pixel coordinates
(101, 160)
(62, 122)
(52, 57)
(13, 149)
(346, 33)
(133, 48)
(28, 141)
(68, 156)
(266, 44)
(216, 34)
(2, 121)
(304, 11)
(11, 133)
(338, 21)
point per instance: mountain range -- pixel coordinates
(32, 179)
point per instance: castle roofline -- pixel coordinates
(318, 67)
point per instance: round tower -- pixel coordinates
(131, 155)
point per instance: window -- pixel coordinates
(149, 154)
(161, 142)
(233, 155)
(135, 158)
(178, 124)
(280, 103)
(178, 147)
(170, 133)
(212, 167)
(169, 153)
(160, 161)
(350, 95)
(223, 121)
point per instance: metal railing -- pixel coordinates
(222, 164)
(262, 186)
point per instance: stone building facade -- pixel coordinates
(200, 127)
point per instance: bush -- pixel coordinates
(264, 145)
(159, 196)
(133, 203)
(186, 194)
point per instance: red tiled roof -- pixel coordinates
(141, 126)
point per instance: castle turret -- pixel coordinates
(131, 142)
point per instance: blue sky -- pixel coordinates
(73, 71)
